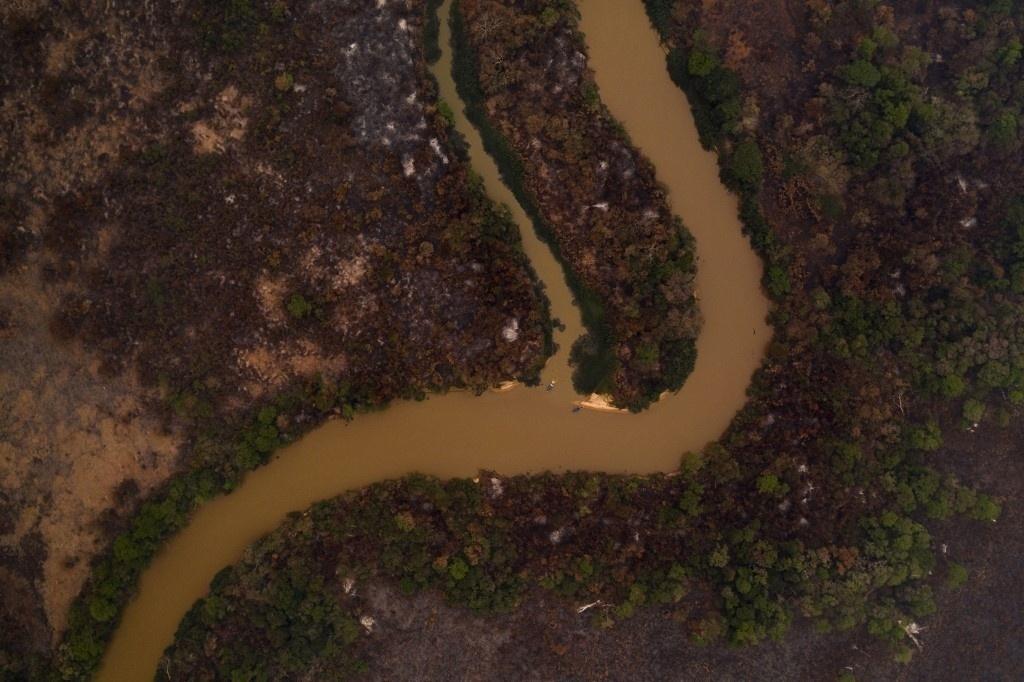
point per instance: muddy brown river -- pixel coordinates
(522, 430)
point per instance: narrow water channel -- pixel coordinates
(523, 430)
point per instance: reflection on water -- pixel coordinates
(522, 430)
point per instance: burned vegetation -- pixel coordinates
(308, 203)
(211, 212)
(522, 69)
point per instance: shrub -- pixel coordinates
(299, 307)
(746, 165)
(973, 411)
(956, 576)
(701, 63)
(1002, 134)
(863, 73)
(284, 82)
(769, 484)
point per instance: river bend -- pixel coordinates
(522, 430)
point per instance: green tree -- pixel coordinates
(746, 165)
(299, 307)
(863, 73)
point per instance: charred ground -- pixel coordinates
(522, 69)
(209, 210)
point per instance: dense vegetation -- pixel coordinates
(882, 192)
(520, 68)
(882, 188)
(291, 607)
(898, 176)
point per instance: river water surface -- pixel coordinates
(522, 430)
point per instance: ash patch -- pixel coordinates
(379, 61)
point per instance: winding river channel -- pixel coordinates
(522, 430)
